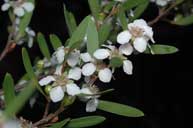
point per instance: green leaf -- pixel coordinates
(8, 89)
(43, 45)
(55, 41)
(95, 8)
(92, 37)
(70, 21)
(139, 10)
(184, 21)
(27, 64)
(79, 34)
(119, 109)
(116, 62)
(129, 4)
(25, 20)
(122, 18)
(60, 124)
(19, 101)
(104, 32)
(162, 49)
(85, 121)
(29, 69)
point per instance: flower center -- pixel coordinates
(136, 31)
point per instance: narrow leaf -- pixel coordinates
(85, 121)
(70, 21)
(119, 109)
(162, 49)
(19, 101)
(95, 8)
(60, 124)
(8, 89)
(129, 4)
(27, 64)
(92, 37)
(184, 21)
(104, 32)
(122, 18)
(43, 45)
(55, 41)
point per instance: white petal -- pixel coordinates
(140, 44)
(124, 37)
(101, 54)
(139, 23)
(58, 70)
(19, 11)
(127, 67)
(126, 49)
(5, 7)
(73, 58)
(91, 105)
(28, 6)
(88, 69)
(74, 73)
(30, 42)
(86, 57)
(86, 91)
(56, 94)
(72, 89)
(149, 33)
(60, 53)
(105, 75)
(46, 80)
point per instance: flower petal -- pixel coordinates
(101, 54)
(140, 44)
(46, 80)
(124, 37)
(74, 73)
(56, 94)
(86, 57)
(105, 75)
(86, 91)
(73, 58)
(59, 70)
(126, 49)
(5, 7)
(128, 67)
(60, 53)
(88, 69)
(28, 6)
(19, 11)
(72, 89)
(91, 105)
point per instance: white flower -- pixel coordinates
(105, 75)
(18, 11)
(161, 2)
(88, 69)
(124, 37)
(11, 124)
(127, 67)
(91, 105)
(86, 91)
(139, 32)
(5, 6)
(56, 94)
(101, 54)
(31, 34)
(126, 49)
(72, 89)
(86, 57)
(73, 58)
(28, 6)
(74, 73)
(140, 44)
(46, 80)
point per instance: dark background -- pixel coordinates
(160, 85)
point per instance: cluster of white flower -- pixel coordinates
(19, 7)
(161, 2)
(71, 65)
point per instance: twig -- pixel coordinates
(49, 117)
(162, 13)
(46, 109)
